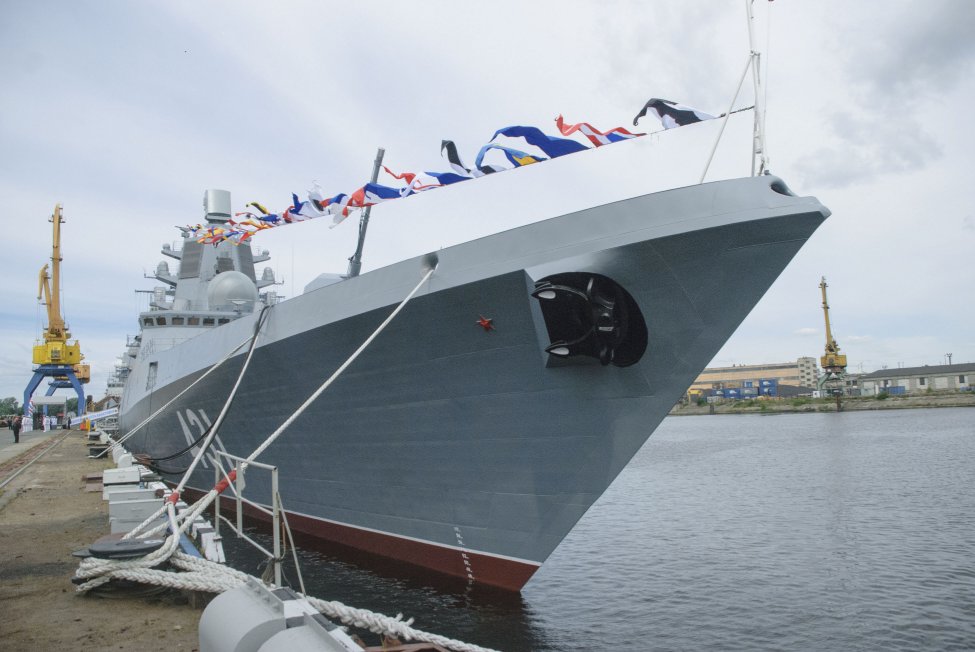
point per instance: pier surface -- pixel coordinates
(46, 514)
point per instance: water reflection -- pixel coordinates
(439, 604)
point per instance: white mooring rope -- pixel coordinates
(338, 372)
(212, 430)
(199, 574)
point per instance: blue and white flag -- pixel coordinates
(454, 159)
(552, 146)
(447, 178)
(530, 145)
(516, 157)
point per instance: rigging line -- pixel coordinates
(731, 112)
(311, 399)
(178, 453)
(742, 109)
(149, 464)
(212, 430)
(152, 416)
(724, 122)
(230, 398)
(294, 549)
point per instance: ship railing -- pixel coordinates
(109, 425)
(240, 465)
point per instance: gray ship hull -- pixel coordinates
(460, 448)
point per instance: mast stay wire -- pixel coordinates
(724, 120)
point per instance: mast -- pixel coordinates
(758, 130)
(355, 262)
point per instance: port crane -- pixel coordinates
(833, 362)
(56, 358)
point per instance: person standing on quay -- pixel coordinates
(15, 426)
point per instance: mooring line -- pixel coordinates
(338, 372)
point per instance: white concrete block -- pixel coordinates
(127, 475)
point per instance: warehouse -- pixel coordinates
(913, 380)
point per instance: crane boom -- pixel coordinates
(56, 350)
(833, 361)
(52, 292)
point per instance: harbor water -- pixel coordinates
(826, 531)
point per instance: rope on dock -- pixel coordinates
(199, 574)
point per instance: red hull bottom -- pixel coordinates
(470, 567)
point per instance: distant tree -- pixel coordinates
(9, 405)
(72, 405)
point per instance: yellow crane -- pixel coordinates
(833, 362)
(56, 357)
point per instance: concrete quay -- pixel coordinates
(45, 515)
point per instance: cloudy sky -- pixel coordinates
(125, 112)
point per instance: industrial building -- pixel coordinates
(801, 373)
(914, 380)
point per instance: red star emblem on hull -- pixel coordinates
(485, 323)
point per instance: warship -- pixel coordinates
(477, 429)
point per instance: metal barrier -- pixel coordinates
(240, 465)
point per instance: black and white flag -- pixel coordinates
(672, 114)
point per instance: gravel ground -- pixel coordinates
(45, 515)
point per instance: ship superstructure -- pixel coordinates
(214, 284)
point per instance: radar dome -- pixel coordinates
(232, 290)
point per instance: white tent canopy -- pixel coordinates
(50, 400)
